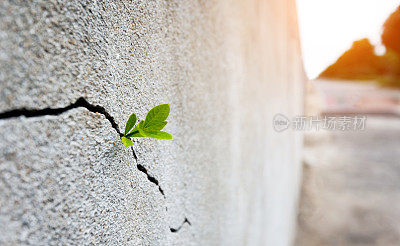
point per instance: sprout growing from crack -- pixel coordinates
(151, 127)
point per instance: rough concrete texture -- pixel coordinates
(225, 67)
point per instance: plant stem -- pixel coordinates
(132, 133)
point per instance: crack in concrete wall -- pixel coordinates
(82, 102)
(149, 177)
(174, 230)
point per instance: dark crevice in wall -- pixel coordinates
(150, 178)
(81, 102)
(155, 181)
(180, 227)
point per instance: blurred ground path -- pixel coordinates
(351, 186)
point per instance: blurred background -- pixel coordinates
(351, 182)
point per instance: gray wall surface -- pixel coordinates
(225, 67)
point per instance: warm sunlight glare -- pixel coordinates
(329, 27)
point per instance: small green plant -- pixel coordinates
(151, 127)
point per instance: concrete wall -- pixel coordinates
(225, 67)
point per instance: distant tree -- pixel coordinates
(359, 62)
(391, 31)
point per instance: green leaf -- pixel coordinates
(156, 126)
(130, 123)
(153, 133)
(156, 117)
(126, 141)
(140, 128)
(151, 127)
(159, 135)
(135, 133)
